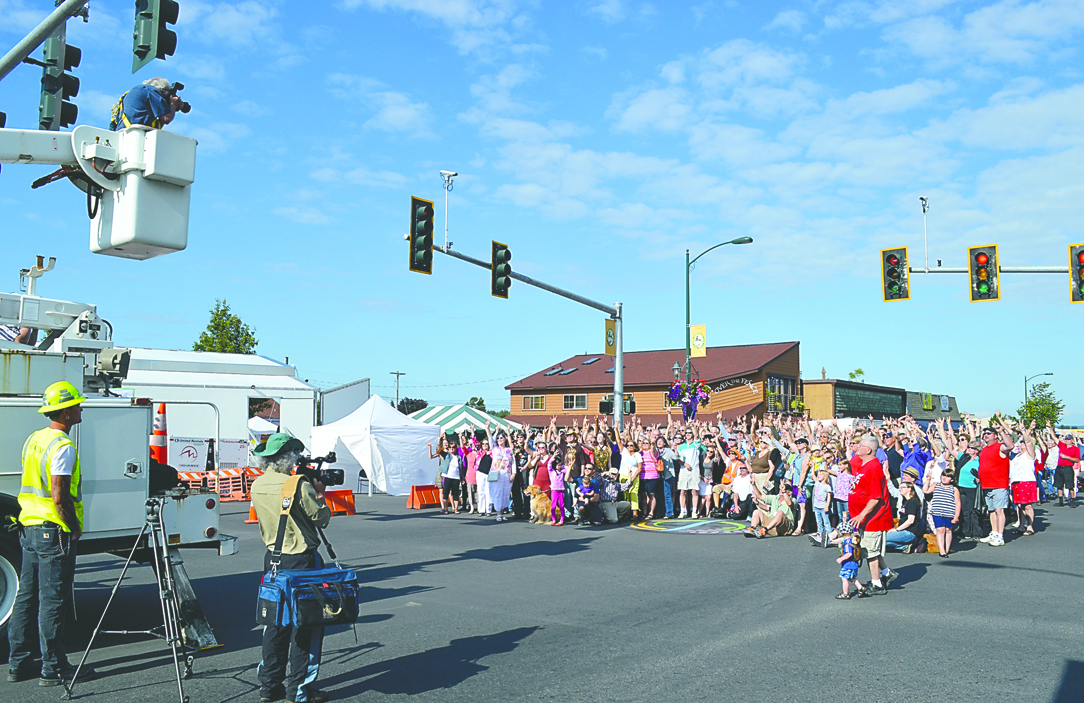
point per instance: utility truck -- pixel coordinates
(112, 440)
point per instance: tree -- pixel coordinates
(499, 413)
(226, 333)
(1041, 406)
(477, 403)
(411, 405)
(857, 375)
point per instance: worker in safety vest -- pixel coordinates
(50, 523)
(153, 104)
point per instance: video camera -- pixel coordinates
(183, 107)
(328, 477)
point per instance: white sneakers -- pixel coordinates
(994, 540)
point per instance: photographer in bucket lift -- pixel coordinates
(50, 524)
(154, 104)
(291, 523)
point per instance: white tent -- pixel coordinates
(391, 447)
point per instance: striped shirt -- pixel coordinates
(943, 503)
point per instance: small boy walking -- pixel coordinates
(850, 559)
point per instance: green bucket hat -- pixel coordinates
(276, 443)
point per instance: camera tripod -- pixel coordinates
(171, 628)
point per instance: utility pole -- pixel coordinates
(447, 177)
(925, 242)
(397, 374)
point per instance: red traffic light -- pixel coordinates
(892, 260)
(981, 258)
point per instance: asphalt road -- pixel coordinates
(464, 609)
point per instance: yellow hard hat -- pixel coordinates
(60, 395)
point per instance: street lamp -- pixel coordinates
(1026, 379)
(688, 311)
(677, 371)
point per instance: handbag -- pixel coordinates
(305, 597)
(492, 476)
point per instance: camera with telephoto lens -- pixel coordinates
(172, 93)
(312, 469)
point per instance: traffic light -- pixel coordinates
(1076, 272)
(895, 284)
(983, 272)
(606, 407)
(57, 85)
(500, 270)
(151, 38)
(421, 235)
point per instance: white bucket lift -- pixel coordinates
(138, 180)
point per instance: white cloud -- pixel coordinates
(610, 10)
(361, 176)
(304, 215)
(665, 109)
(394, 111)
(475, 24)
(791, 20)
(243, 23)
(1007, 32)
(218, 136)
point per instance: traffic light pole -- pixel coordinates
(1001, 269)
(613, 311)
(69, 8)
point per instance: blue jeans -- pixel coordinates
(44, 599)
(668, 485)
(897, 540)
(824, 525)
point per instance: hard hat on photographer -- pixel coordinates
(278, 442)
(60, 395)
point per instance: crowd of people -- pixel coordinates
(873, 486)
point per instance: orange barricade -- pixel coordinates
(340, 502)
(231, 484)
(423, 496)
(192, 479)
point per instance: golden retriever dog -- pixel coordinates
(540, 505)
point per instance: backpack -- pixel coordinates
(857, 548)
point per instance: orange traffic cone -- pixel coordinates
(159, 448)
(251, 514)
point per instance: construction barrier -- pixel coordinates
(340, 502)
(423, 496)
(231, 484)
(194, 480)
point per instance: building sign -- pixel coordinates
(945, 407)
(732, 382)
(927, 401)
(611, 338)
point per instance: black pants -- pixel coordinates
(520, 507)
(970, 520)
(745, 509)
(592, 513)
(300, 646)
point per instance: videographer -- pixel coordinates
(299, 645)
(154, 104)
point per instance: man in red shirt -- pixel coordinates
(994, 479)
(870, 506)
(1068, 465)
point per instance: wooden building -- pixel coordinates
(831, 398)
(746, 380)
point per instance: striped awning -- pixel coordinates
(453, 418)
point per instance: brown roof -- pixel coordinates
(565, 420)
(655, 367)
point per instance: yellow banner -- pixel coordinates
(611, 338)
(698, 340)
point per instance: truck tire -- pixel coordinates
(11, 557)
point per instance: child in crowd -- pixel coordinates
(850, 558)
(822, 501)
(585, 489)
(557, 493)
(945, 509)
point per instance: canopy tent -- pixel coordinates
(260, 429)
(452, 418)
(388, 445)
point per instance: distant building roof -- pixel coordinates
(916, 410)
(654, 367)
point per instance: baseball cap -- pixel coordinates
(277, 443)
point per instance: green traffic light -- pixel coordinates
(984, 287)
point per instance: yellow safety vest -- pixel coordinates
(36, 495)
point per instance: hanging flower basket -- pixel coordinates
(689, 395)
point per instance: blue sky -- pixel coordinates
(599, 140)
